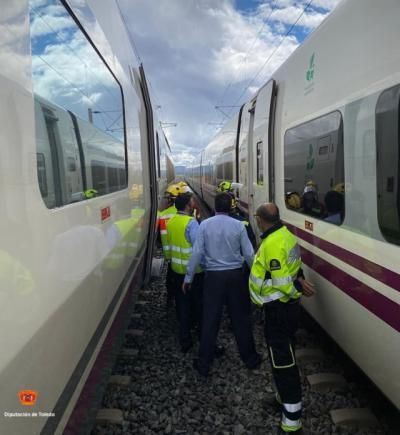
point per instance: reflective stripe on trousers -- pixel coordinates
(289, 425)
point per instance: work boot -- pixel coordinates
(219, 351)
(272, 401)
(200, 370)
(186, 347)
(254, 362)
(300, 431)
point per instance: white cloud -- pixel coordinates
(202, 53)
(67, 71)
(289, 15)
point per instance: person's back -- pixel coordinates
(222, 242)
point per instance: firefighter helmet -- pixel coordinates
(339, 188)
(293, 200)
(224, 186)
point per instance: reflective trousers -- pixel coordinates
(281, 322)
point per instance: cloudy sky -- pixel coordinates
(199, 54)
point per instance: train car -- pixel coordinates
(164, 165)
(325, 128)
(83, 161)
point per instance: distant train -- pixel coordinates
(83, 167)
(327, 122)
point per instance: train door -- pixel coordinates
(243, 157)
(260, 155)
(160, 183)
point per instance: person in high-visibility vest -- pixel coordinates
(182, 230)
(163, 216)
(229, 187)
(277, 283)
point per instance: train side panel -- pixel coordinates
(330, 122)
(66, 258)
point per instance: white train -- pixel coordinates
(82, 173)
(330, 115)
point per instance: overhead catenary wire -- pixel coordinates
(157, 100)
(248, 51)
(272, 54)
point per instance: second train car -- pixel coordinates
(321, 139)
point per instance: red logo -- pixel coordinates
(308, 225)
(105, 213)
(27, 397)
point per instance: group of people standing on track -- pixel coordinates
(212, 264)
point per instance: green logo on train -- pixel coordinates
(310, 71)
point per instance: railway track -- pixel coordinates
(155, 390)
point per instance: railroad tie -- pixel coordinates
(322, 382)
(109, 415)
(355, 417)
(308, 355)
(135, 332)
(128, 352)
(120, 380)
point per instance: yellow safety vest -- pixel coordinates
(180, 248)
(275, 268)
(164, 217)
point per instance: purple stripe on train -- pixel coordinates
(380, 273)
(376, 303)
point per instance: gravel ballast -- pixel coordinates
(166, 396)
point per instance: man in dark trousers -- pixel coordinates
(181, 234)
(220, 243)
(276, 283)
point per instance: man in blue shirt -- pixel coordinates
(220, 244)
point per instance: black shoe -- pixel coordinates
(186, 347)
(271, 401)
(254, 362)
(219, 351)
(201, 371)
(300, 431)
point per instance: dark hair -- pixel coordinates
(269, 214)
(310, 200)
(334, 202)
(223, 202)
(183, 200)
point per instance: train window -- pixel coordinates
(41, 170)
(112, 178)
(122, 178)
(71, 164)
(78, 109)
(260, 163)
(170, 170)
(388, 163)
(56, 140)
(228, 171)
(158, 156)
(99, 177)
(314, 168)
(220, 172)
